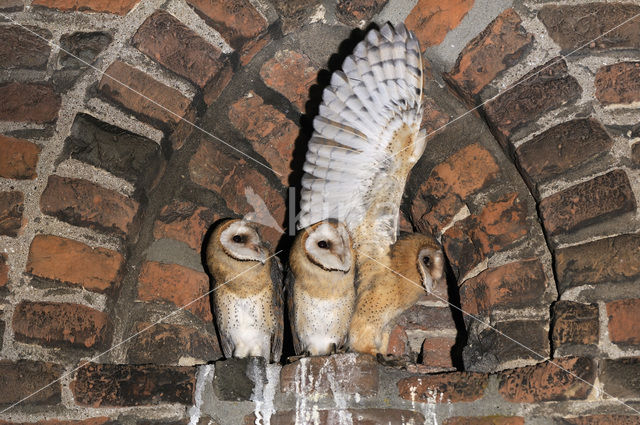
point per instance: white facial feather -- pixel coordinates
(242, 242)
(328, 247)
(431, 267)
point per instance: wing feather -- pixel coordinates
(278, 310)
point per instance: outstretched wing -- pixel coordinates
(366, 138)
(276, 337)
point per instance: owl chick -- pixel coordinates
(390, 286)
(320, 286)
(247, 295)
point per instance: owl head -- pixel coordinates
(327, 245)
(239, 240)
(419, 258)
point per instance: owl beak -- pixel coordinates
(261, 252)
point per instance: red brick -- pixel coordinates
(619, 377)
(11, 208)
(436, 351)
(562, 148)
(29, 102)
(171, 43)
(356, 13)
(573, 26)
(431, 20)
(175, 284)
(118, 7)
(619, 84)
(92, 421)
(398, 342)
(74, 263)
(602, 420)
(369, 416)
(575, 323)
(547, 382)
(496, 48)
(434, 117)
(347, 373)
(82, 203)
(21, 48)
(119, 73)
(623, 318)
(596, 200)
(113, 385)
(513, 285)
(4, 270)
(451, 387)
(185, 222)
(290, 73)
(31, 379)
(485, 420)
(18, 158)
(61, 325)
(268, 130)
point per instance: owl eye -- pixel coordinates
(238, 238)
(426, 261)
(323, 244)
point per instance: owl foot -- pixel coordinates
(402, 362)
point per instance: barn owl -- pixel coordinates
(247, 294)
(320, 288)
(366, 139)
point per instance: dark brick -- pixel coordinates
(84, 45)
(357, 13)
(546, 381)
(112, 385)
(606, 260)
(29, 102)
(185, 222)
(368, 416)
(431, 21)
(618, 84)
(11, 208)
(599, 420)
(562, 148)
(575, 323)
(623, 321)
(61, 325)
(168, 344)
(542, 89)
(4, 273)
(11, 5)
(18, 158)
(596, 200)
(91, 421)
(290, 73)
(635, 154)
(24, 47)
(294, 13)
(572, 26)
(74, 263)
(496, 48)
(119, 7)
(485, 420)
(27, 378)
(234, 378)
(451, 387)
(426, 318)
(82, 203)
(621, 377)
(436, 351)
(124, 154)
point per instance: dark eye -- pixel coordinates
(238, 238)
(323, 244)
(426, 261)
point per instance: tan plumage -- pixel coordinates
(247, 294)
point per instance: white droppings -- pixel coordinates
(264, 391)
(318, 15)
(205, 374)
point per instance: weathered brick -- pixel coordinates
(623, 318)
(31, 379)
(619, 377)
(398, 342)
(171, 43)
(436, 351)
(619, 84)
(175, 284)
(513, 285)
(11, 208)
(562, 148)
(4, 271)
(29, 102)
(546, 381)
(426, 318)
(368, 416)
(294, 13)
(290, 73)
(573, 26)
(11, 5)
(140, 87)
(358, 12)
(496, 48)
(74, 263)
(431, 20)
(451, 387)
(599, 420)
(21, 48)
(84, 45)
(18, 158)
(119, 7)
(113, 385)
(485, 420)
(185, 222)
(542, 89)
(164, 343)
(61, 325)
(235, 378)
(82, 203)
(91, 421)
(269, 131)
(613, 259)
(347, 373)
(575, 323)
(593, 201)
(635, 154)
(122, 153)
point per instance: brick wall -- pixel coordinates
(144, 122)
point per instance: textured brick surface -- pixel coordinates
(21, 48)
(575, 323)
(431, 20)
(92, 421)
(103, 385)
(600, 420)
(546, 382)
(4, 271)
(61, 325)
(619, 377)
(358, 12)
(11, 208)
(18, 158)
(290, 73)
(623, 321)
(28, 102)
(185, 222)
(74, 263)
(120, 7)
(25, 377)
(436, 351)
(82, 203)
(443, 388)
(83, 45)
(487, 420)
(619, 84)
(368, 416)
(175, 284)
(11, 5)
